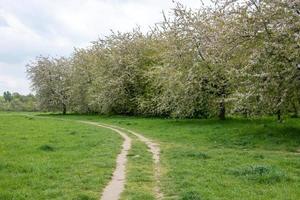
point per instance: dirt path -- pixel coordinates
(116, 186)
(155, 151)
(152, 147)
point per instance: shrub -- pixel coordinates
(47, 147)
(191, 195)
(260, 173)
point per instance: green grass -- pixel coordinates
(140, 178)
(233, 159)
(54, 159)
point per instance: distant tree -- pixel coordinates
(269, 30)
(196, 76)
(19, 103)
(235, 56)
(51, 81)
(118, 68)
(7, 96)
(81, 80)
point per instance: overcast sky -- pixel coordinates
(29, 28)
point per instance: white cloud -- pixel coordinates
(13, 78)
(53, 27)
(12, 83)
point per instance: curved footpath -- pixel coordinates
(155, 151)
(116, 185)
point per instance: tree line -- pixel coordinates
(231, 57)
(17, 102)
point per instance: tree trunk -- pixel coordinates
(222, 111)
(64, 109)
(295, 110)
(279, 119)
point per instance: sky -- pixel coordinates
(29, 28)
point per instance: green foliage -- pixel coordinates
(236, 57)
(51, 81)
(18, 102)
(7, 96)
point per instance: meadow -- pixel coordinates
(54, 159)
(222, 79)
(200, 159)
(212, 159)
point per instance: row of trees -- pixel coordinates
(238, 56)
(17, 102)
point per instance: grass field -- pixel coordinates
(236, 159)
(140, 181)
(54, 159)
(233, 159)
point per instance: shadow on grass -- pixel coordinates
(245, 133)
(260, 174)
(264, 133)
